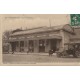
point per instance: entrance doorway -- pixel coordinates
(41, 45)
(53, 44)
(31, 46)
(14, 45)
(21, 46)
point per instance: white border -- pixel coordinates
(39, 6)
(39, 73)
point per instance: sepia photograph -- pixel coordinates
(40, 38)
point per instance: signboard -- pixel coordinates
(75, 19)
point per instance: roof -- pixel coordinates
(41, 29)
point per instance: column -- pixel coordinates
(62, 41)
(19, 45)
(26, 46)
(36, 46)
(10, 47)
(47, 45)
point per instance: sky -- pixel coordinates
(14, 21)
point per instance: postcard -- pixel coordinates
(40, 39)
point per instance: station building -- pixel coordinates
(42, 39)
(76, 37)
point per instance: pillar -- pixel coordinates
(36, 46)
(47, 45)
(10, 47)
(25, 46)
(62, 41)
(19, 46)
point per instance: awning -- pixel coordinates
(36, 38)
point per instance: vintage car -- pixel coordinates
(73, 49)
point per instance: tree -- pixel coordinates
(5, 40)
(5, 36)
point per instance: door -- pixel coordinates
(13, 45)
(41, 45)
(31, 46)
(21, 46)
(53, 43)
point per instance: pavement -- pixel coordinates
(22, 53)
(20, 58)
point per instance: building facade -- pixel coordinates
(41, 39)
(75, 39)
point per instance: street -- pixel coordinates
(36, 58)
